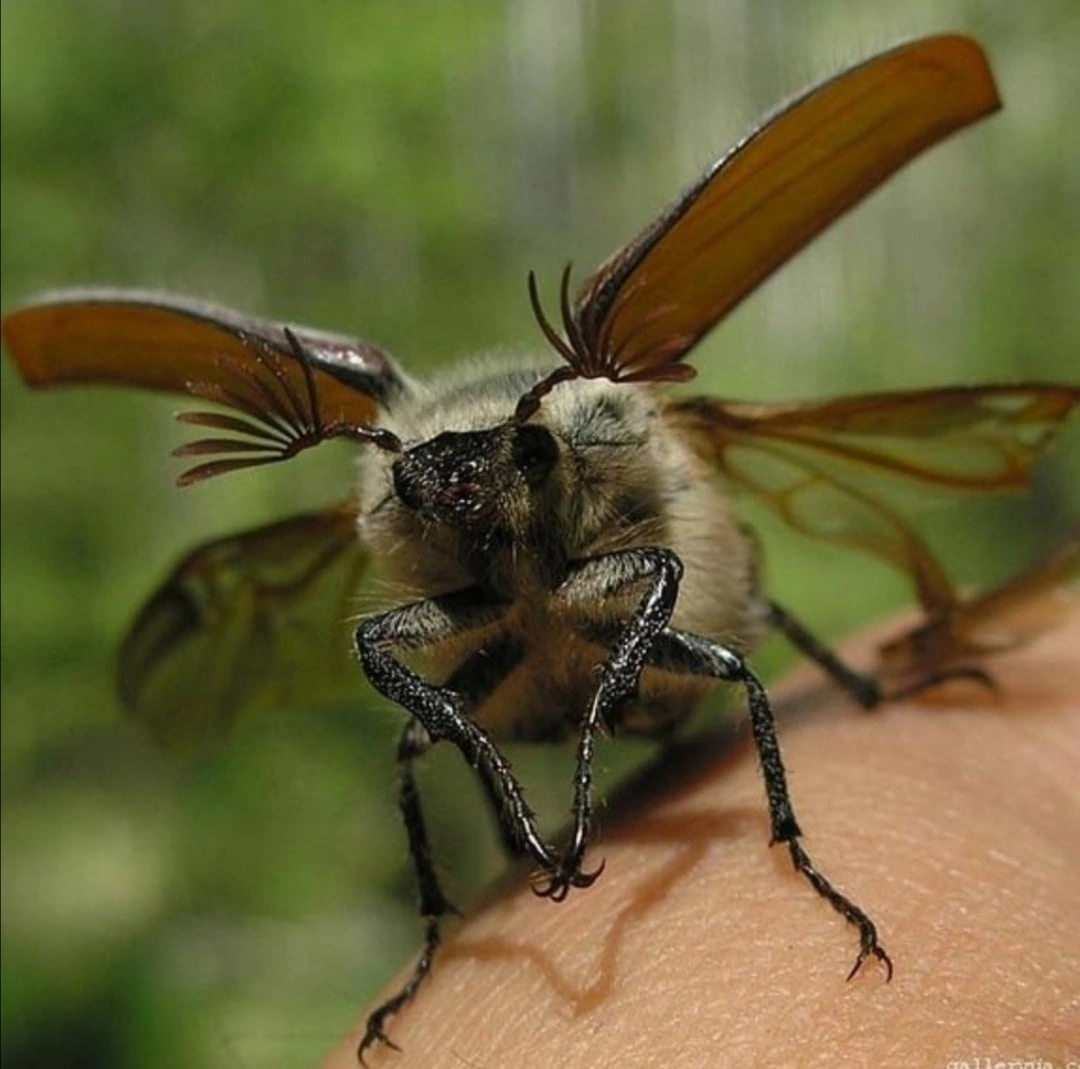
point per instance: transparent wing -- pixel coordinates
(254, 621)
(1005, 617)
(843, 470)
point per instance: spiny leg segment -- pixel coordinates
(703, 656)
(441, 713)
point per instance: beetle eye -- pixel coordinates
(535, 452)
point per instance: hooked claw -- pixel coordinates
(556, 884)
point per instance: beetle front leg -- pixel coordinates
(600, 579)
(440, 714)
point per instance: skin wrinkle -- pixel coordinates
(698, 946)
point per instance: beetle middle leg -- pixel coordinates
(685, 652)
(440, 713)
(434, 905)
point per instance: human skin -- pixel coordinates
(953, 820)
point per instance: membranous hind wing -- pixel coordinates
(846, 470)
(649, 304)
(291, 387)
(259, 619)
(244, 624)
(1004, 617)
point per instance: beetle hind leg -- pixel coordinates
(866, 689)
(863, 688)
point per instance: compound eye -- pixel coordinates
(535, 452)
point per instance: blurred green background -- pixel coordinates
(394, 170)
